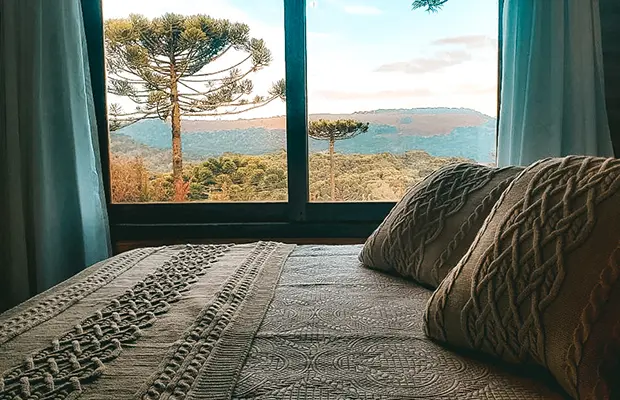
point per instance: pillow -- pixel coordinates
(432, 226)
(540, 284)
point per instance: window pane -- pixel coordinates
(196, 100)
(401, 92)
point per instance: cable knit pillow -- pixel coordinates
(540, 282)
(430, 229)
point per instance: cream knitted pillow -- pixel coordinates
(430, 229)
(540, 284)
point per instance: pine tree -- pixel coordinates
(332, 131)
(162, 65)
(431, 5)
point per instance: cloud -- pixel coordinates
(383, 94)
(362, 10)
(337, 83)
(468, 41)
(424, 65)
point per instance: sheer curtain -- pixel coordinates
(552, 97)
(53, 220)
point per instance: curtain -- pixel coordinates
(552, 88)
(53, 220)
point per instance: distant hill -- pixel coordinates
(441, 132)
(417, 121)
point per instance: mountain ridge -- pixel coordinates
(414, 121)
(442, 132)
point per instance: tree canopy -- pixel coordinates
(430, 5)
(336, 129)
(333, 130)
(147, 57)
(179, 66)
(233, 177)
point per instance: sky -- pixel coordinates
(365, 54)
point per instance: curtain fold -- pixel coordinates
(552, 96)
(52, 211)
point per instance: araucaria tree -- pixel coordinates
(430, 5)
(179, 66)
(332, 131)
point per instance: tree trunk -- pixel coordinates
(332, 142)
(180, 193)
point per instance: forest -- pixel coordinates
(170, 68)
(235, 177)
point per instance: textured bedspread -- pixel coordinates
(263, 320)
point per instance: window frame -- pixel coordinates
(295, 218)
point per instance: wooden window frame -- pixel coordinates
(295, 218)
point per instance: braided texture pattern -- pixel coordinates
(599, 297)
(428, 231)
(541, 273)
(41, 311)
(60, 370)
(181, 367)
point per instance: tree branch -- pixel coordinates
(129, 81)
(122, 56)
(190, 96)
(223, 70)
(133, 113)
(241, 77)
(189, 87)
(431, 5)
(234, 112)
(132, 121)
(188, 57)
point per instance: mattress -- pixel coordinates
(254, 321)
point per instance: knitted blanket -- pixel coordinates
(255, 321)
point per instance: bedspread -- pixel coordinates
(254, 321)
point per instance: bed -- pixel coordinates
(254, 321)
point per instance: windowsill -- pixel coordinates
(293, 232)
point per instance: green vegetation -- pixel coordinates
(335, 130)
(232, 177)
(171, 67)
(161, 65)
(430, 5)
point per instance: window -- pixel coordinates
(196, 100)
(294, 117)
(399, 93)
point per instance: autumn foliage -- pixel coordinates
(233, 177)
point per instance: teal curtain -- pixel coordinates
(552, 87)
(53, 220)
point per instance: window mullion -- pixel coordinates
(296, 107)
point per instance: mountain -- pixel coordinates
(439, 131)
(416, 121)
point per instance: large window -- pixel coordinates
(196, 97)
(395, 94)
(196, 100)
(286, 118)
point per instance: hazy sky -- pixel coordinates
(366, 54)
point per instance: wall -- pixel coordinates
(610, 27)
